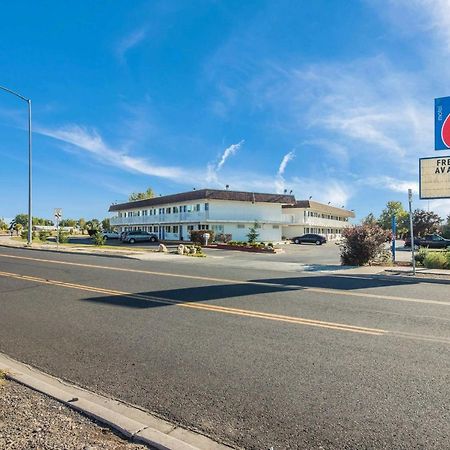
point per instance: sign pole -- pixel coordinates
(58, 214)
(413, 259)
(394, 235)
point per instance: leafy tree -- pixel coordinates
(369, 220)
(425, 222)
(68, 223)
(92, 226)
(106, 224)
(3, 225)
(253, 233)
(363, 244)
(82, 224)
(149, 193)
(23, 220)
(394, 208)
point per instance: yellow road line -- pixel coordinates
(331, 291)
(205, 307)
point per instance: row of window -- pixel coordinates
(323, 230)
(168, 210)
(324, 216)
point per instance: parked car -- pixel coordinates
(309, 239)
(429, 241)
(122, 235)
(139, 236)
(110, 235)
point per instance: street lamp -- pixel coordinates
(30, 217)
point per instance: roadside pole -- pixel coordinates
(58, 215)
(413, 259)
(394, 235)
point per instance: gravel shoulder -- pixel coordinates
(30, 420)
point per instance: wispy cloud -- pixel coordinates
(128, 42)
(229, 151)
(284, 162)
(90, 141)
(390, 183)
(212, 169)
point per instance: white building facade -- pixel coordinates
(227, 213)
(307, 216)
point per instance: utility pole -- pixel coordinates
(413, 259)
(30, 197)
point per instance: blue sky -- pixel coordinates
(326, 98)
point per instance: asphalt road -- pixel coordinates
(257, 359)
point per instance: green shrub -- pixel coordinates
(24, 234)
(437, 260)
(43, 235)
(420, 256)
(63, 237)
(253, 234)
(98, 239)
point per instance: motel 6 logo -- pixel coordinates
(442, 123)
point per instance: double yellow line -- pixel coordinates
(200, 306)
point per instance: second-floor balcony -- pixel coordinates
(314, 221)
(194, 216)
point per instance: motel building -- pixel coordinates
(172, 217)
(307, 216)
(230, 213)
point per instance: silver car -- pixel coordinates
(139, 236)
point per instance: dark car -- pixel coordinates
(309, 239)
(429, 241)
(139, 236)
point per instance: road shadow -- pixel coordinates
(349, 282)
(200, 294)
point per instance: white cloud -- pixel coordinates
(130, 41)
(284, 162)
(229, 151)
(390, 183)
(90, 141)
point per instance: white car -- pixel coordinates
(110, 235)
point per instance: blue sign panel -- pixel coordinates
(442, 123)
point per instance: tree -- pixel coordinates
(68, 223)
(3, 224)
(92, 226)
(394, 208)
(252, 233)
(369, 220)
(141, 195)
(106, 224)
(363, 244)
(21, 219)
(82, 224)
(425, 222)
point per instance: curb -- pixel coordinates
(71, 252)
(132, 422)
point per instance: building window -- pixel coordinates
(206, 206)
(168, 210)
(190, 227)
(175, 229)
(175, 209)
(197, 207)
(168, 227)
(275, 227)
(155, 229)
(240, 225)
(184, 208)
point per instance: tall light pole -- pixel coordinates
(30, 203)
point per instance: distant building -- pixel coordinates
(307, 216)
(225, 212)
